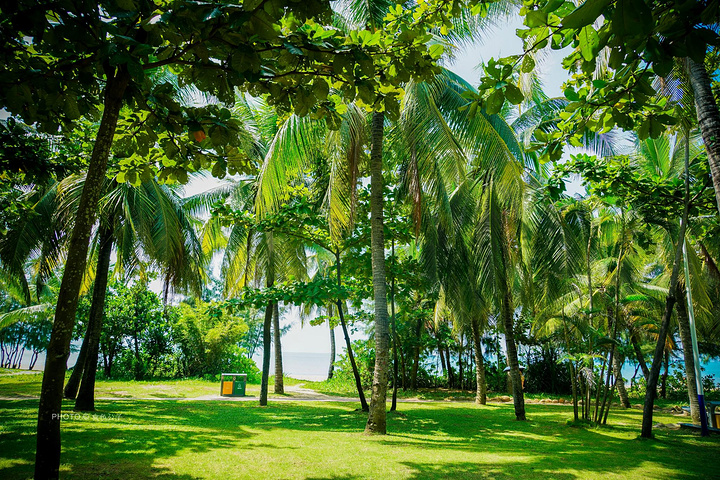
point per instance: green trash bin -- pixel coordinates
(233, 384)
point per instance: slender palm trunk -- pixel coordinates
(664, 327)
(416, 355)
(376, 423)
(331, 368)
(481, 386)
(708, 120)
(348, 345)
(442, 358)
(688, 356)
(267, 339)
(73, 383)
(620, 381)
(393, 405)
(639, 355)
(511, 348)
(86, 395)
(47, 454)
(279, 386)
(663, 379)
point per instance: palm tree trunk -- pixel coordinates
(331, 368)
(481, 387)
(348, 345)
(639, 355)
(620, 381)
(511, 348)
(47, 454)
(267, 340)
(451, 371)
(664, 327)
(73, 383)
(688, 357)
(376, 418)
(279, 386)
(393, 404)
(708, 120)
(663, 379)
(416, 355)
(86, 395)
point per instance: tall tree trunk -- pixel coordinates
(620, 381)
(688, 356)
(331, 368)
(348, 345)
(73, 383)
(663, 380)
(664, 324)
(393, 404)
(481, 386)
(416, 355)
(451, 371)
(638, 354)
(442, 358)
(460, 362)
(139, 367)
(86, 395)
(376, 418)
(511, 348)
(708, 120)
(267, 340)
(47, 454)
(279, 386)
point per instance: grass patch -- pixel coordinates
(219, 439)
(29, 386)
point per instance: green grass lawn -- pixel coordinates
(312, 440)
(29, 385)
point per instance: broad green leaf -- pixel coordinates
(513, 94)
(585, 14)
(589, 42)
(495, 102)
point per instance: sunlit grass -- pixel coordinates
(224, 439)
(29, 385)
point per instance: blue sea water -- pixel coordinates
(301, 365)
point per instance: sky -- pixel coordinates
(501, 42)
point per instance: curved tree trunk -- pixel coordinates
(639, 355)
(511, 348)
(708, 120)
(620, 381)
(688, 357)
(73, 383)
(376, 418)
(348, 345)
(664, 327)
(267, 340)
(481, 388)
(47, 454)
(86, 395)
(279, 386)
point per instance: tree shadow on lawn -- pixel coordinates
(122, 439)
(134, 438)
(547, 445)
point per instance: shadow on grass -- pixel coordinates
(132, 439)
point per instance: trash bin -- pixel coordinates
(233, 384)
